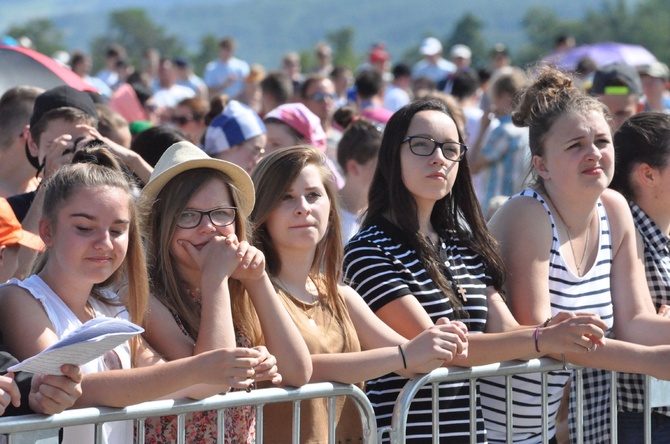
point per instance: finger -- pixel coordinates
(443, 321)
(597, 340)
(243, 352)
(269, 374)
(242, 249)
(246, 363)
(449, 346)
(240, 384)
(13, 390)
(91, 130)
(257, 260)
(592, 319)
(231, 239)
(190, 249)
(263, 350)
(253, 258)
(454, 330)
(73, 372)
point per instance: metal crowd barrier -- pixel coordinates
(39, 429)
(657, 394)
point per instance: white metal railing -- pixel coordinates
(657, 394)
(44, 429)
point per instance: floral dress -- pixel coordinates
(240, 422)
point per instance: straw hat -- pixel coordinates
(184, 156)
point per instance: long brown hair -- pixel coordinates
(166, 284)
(95, 166)
(272, 177)
(459, 211)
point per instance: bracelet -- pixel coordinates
(402, 353)
(537, 339)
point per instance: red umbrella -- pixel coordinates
(21, 66)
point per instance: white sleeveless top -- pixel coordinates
(568, 292)
(64, 322)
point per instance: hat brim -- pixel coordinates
(238, 176)
(31, 240)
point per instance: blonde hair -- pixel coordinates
(93, 168)
(166, 284)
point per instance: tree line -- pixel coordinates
(644, 22)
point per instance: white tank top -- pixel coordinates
(64, 322)
(568, 292)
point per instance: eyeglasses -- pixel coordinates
(181, 120)
(321, 97)
(425, 146)
(219, 217)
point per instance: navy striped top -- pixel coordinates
(381, 267)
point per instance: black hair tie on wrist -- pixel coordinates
(402, 353)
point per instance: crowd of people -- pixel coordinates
(276, 228)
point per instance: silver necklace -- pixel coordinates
(567, 230)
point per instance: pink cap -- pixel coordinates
(301, 119)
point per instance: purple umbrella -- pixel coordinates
(21, 66)
(602, 54)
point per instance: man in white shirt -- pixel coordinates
(226, 75)
(433, 65)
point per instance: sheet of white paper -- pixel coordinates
(92, 339)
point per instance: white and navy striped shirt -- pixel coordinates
(657, 270)
(381, 267)
(568, 292)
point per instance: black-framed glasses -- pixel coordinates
(321, 96)
(425, 146)
(219, 217)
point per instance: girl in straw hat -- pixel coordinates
(209, 286)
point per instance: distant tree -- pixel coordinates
(135, 30)
(342, 42)
(44, 36)
(542, 27)
(651, 28)
(209, 50)
(645, 24)
(614, 22)
(468, 31)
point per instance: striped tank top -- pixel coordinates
(568, 292)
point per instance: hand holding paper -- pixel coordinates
(86, 343)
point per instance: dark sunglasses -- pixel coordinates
(181, 120)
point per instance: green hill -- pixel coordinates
(266, 29)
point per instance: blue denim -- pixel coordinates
(631, 428)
